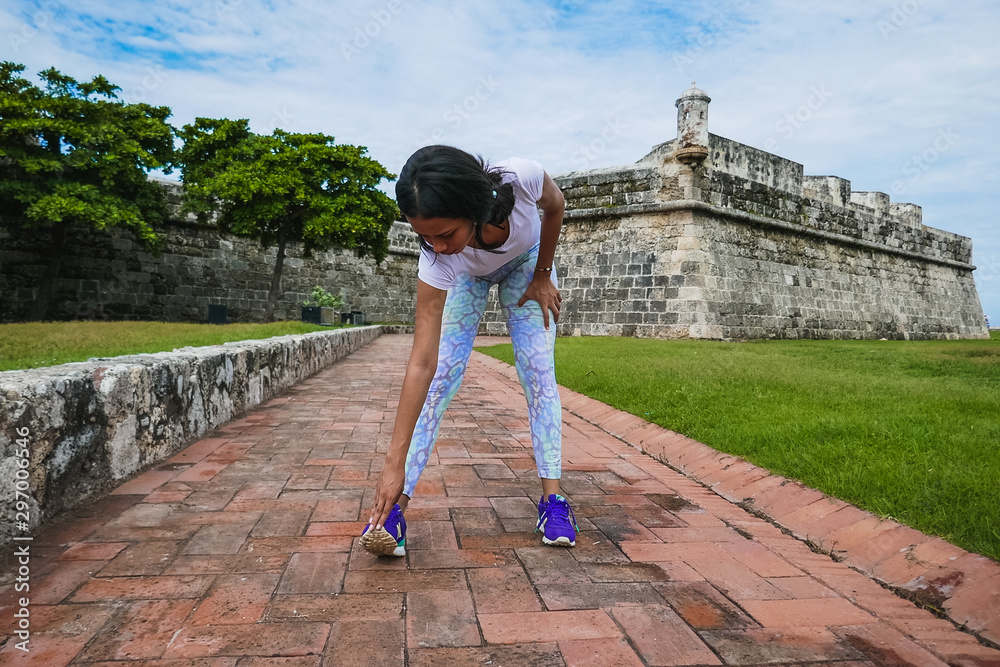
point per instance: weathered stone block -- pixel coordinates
(875, 201)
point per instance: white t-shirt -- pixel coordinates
(527, 176)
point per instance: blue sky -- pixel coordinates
(899, 96)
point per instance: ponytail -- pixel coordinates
(503, 204)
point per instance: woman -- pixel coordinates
(478, 226)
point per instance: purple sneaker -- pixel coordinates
(390, 539)
(554, 522)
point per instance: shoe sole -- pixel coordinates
(558, 542)
(381, 543)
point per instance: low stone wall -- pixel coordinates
(87, 426)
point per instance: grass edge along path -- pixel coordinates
(37, 344)
(907, 430)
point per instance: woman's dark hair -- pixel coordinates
(446, 182)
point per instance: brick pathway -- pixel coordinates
(241, 550)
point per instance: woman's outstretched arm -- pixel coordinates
(419, 373)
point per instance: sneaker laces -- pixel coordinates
(558, 513)
(397, 515)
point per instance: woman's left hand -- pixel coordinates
(544, 291)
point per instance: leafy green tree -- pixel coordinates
(73, 155)
(286, 188)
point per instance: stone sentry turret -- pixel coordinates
(692, 125)
(706, 237)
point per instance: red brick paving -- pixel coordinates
(242, 551)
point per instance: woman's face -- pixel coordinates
(447, 236)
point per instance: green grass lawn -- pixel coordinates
(905, 429)
(35, 344)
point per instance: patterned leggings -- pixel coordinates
(533, 358)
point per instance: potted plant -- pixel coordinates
(322, 311)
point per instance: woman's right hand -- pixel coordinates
(387, 491)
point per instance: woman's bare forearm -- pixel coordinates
(416, 383)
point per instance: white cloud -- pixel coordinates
(388, 74)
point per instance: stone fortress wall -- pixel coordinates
(705, 237)
(108, 275)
